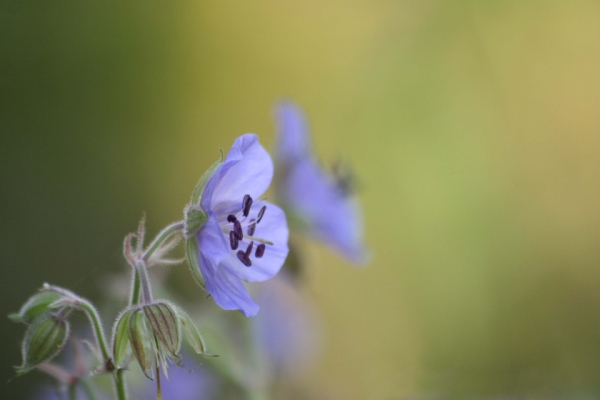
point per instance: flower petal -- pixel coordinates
(293, 140)
(272, 227)
(212, 246)
(227, 290)
(327, 213)
(289, 330)
(247, 169)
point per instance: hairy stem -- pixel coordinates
(92, 314)
(161, 237)
(120, 385)
(135, 289)
(142, 274)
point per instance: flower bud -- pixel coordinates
(36, 305)
(142, 343)
(44, 339)
(164, 323)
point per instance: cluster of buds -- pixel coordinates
(46, 316)
(153, 333)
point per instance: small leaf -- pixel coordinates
(44, 339)
(191, 249)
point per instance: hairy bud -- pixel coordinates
(44, 339)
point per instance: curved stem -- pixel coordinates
(142, 274)
(161, 237)
(97, 327)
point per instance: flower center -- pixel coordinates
(241, 223)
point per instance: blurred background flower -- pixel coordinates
(472, 127)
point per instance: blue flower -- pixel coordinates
(321, 204)
(288, 328)
(243, 238)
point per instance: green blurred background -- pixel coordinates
(472, 125)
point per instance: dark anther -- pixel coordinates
(246, 204)
(243, 258)
(233, 240)
(237, 228)
(261, 213)
(231, 218)
(260, 250)
(252, 227)
(249, 250)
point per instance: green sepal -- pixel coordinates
(192, 334)
(44, 339)
(37, 304)
(191, 250)
(121, 337)
(197, 194)
(194, 219)
(142, 343)
(165, 325)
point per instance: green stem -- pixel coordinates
(97, 327)
(87, 388)
(120, 385)
(73, 391)
(135, 289)
(256, 358)
(161, 237)
(256, 394)
(142, 274)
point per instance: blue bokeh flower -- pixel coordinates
(320, 204)
(288, 328)
(243, 238)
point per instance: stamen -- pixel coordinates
(233, 240)
(249, 250)
(246, 204)
(243, 258)
(261, 213)
(260, 250)
(252, 227)
(231, 218)
(237, 228)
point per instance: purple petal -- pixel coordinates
(272, 227)
(212, 246)
(327, 213)
(229, 292)
(226, 289)
(247, 169)
(293, 141)
(288, 328)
